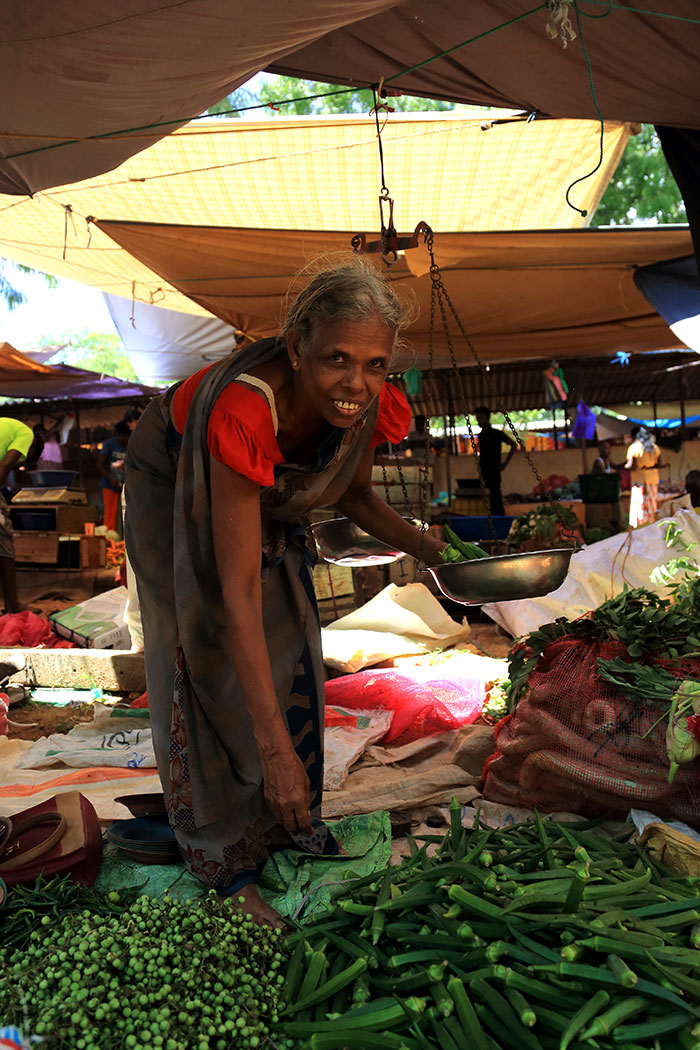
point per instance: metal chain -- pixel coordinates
(438, 288)
(404, 487)
(437, 292)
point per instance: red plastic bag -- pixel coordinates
(26, 630)
(429, 700)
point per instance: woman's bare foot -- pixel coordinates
(248, 900)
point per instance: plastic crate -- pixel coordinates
(477, 528)
(600, 488)
(34, 520)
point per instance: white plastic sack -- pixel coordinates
(113, 738)
(396, 622)
(343, 745)
(600, 571)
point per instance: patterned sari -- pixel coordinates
(207, 757)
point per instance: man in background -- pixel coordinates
(17, 443)
(491, 442)
(110, 463)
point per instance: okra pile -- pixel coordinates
(543, 936)
(172, 974)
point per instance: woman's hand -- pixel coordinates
(287, 790)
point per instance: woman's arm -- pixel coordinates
(362, 505)
(235, 512)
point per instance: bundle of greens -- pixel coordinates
(459, 550)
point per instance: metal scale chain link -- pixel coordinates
(440, 293)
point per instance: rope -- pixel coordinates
(583, 211)
(637, 11)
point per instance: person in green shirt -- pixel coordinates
(16, 441)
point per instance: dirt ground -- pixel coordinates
(37, 720)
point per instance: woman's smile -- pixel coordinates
(347, 408)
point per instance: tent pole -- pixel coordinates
(449, 441)
(79, 449)
(681, 397)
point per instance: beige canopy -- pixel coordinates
(313, 174)
(86, 84)
(519, 295)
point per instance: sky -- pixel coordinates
(51, 313)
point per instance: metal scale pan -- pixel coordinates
(342, 542)
(510, 577)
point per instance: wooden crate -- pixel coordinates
(65, 518)
(40, 548)
(93, 552)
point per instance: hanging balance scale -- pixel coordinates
(503, 577)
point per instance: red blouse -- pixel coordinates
(241, 434)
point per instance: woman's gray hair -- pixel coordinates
(352, 290)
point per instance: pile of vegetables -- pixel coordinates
(662, 641)
(176, 974)
(459, 550)
(544, 525)
(544, 936)
(28, 907)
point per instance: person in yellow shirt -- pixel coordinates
(16, 441)
(643, 457)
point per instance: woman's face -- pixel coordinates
(344, 368)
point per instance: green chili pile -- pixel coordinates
(52, 898)
(181, 975)
(544, 936)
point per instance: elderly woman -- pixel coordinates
(221, 473)
(643, 457)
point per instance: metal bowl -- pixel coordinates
(510, 577)
(342, 542)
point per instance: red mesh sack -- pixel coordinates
(579, 743)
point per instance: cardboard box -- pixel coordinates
(97, 623)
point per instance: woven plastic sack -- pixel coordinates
(578, 743)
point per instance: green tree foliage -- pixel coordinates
(97, 351)
(336, 99)
(10, 294)
(642, 188)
